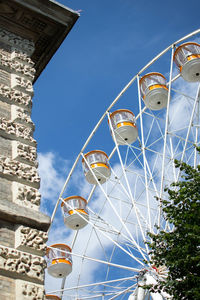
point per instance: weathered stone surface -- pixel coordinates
(13, 96)
(20, 83)
(22, 116)
(5, 110)
(7, 288)
(28, 291)
(12, 130)
(23, 265)
(22, 57)
(7, 234)
(16, 41)
(26, 196)
(11, 212)
(5, 147)
(14, 66)
(16, 171)
(31, 240)
(5, 189)
(5, 77)
(24, 153)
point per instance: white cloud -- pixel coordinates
(52, 171)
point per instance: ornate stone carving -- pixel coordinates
(28, 291)
(22, 56)
(24, 153)
(31, 240)
(16, 66)
(16, 41)
(17, 171)
(10, 129)
(19, 115)
(19, 82)
(26, 196)
(15, 97)
(25, 265)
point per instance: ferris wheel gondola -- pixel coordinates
(127, 187)
(187, 59)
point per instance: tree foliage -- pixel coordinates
(179, 249)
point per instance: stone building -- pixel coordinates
(30, 33)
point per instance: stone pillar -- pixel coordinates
(23, 228)
(22, 246)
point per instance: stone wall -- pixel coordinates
(30, 33)
(22, 234)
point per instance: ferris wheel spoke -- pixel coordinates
(106, 263)
(113, 241)
(197, 99)
(122, 292)
(127, 204)
(128, 195)
(126, 179)
(144, 157)
(96, 284)
(165, 136)
(114, 209)
(196, 135)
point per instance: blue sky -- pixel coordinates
(111, 42)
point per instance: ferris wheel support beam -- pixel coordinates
(64, 279)
(127, 183)
(111, 228)
(144, 156)
(197, 99)
(114, 209)
(196, 136)
(129, 196)
(107, 236)
(101, 261)
(122, 292)
(165, 136)
(93, 284)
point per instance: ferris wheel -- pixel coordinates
(113, 194)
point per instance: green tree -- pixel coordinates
(179, 250)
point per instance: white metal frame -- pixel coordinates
(147, 170)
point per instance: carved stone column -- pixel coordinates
(23, 25)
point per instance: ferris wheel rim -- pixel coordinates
(110, 106)
(106, 113)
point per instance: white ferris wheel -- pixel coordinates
(113, 194)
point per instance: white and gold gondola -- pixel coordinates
(187, 59)
(52, 297)
(97, 161)
(74, 209)
(59, 261)
(154, 91)
(124, 126)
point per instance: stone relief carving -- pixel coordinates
(17, 66)
(24, 153)
(22, 56)
(20, 82)
(31, 240)
(26, 196)
(17, 41)
(16, 97)
(20, 115)
(28, 291)
(19, 171)
(27, 265)
(8, 128)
